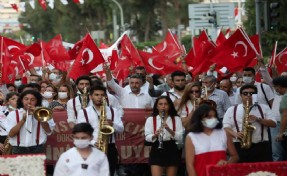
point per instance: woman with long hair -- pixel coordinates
(64, 94)
(206, 142)
(50, 95)
(189, 102)
(163, 130)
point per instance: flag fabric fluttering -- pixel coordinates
(281, 61)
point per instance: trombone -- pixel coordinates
(41, 114)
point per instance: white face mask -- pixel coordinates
(63, 95)
(18, 83)
(247, 79)
(81, 143)
(52, 76)
(210, 123)
(48, 94)
(233, 78)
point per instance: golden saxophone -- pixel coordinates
(247, 129)
(104, 130)
(85, 98)
(7, 147)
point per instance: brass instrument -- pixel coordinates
(7, 147)
(247, 128)
(204, 95)
(104, 130)
(42, 114)
(85, 98)
(160, 137)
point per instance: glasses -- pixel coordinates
(194, 91)
(248, 93)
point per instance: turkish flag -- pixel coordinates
(73, 53)
(89, 57)
(56, 50)
(12, 45)
(43, 4)
(28, 57)
(14, 6)
(273, 56)
(235, 53)
(129, 51)
(189, 58)
(158, 64)
(5, 61)
(170, 48)
(255, 40)
(220, 38)
(103, 45)
(281, 61)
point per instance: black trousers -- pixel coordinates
(28, 150)
(259, 152)
(112, 158)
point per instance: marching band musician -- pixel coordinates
(92, 115)
(83, 159)
(74, 105)
(259, 116)
(165, 128)
(26, 134)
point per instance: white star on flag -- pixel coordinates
(234, 54)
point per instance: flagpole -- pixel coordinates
(1, 60)
(42, 53)
(274, 54)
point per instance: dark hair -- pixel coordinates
(97, 82)
(172, 111)
(55, 90)
(36, 94)
(211, 77)
(251, 69)
(98, 87)
(39, 77)
(201, 112)
(177, 73)
(10, 95)
(21, 88)
(11, 85)
(248, 86)
(83, 127)
(84, 77)
(280, 81)
(137, 76)
(34, 85)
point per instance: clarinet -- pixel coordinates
(160, 137)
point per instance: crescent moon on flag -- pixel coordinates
(150, 61)
(279, 58)
(31, 56)
(164, 46)
(16, 71)
(13, 46)
(90, 53)
(244, 45)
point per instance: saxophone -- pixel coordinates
(247, 128)
(104, 130)
(85, 98)
(7, 147)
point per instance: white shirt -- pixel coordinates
(149, 130)
(70, 108)
(27, 139)
(94, 120)
(70, 164)
(228, 120)
(3, 125)
(130, 100)
(172, 95)
(261, 98)
(275, 107)
(144, 87)
(182, 112)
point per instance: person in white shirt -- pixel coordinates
(179, 82)
(163, 130)
(226, 85)
(135, 98)
(26, 134)
(260, 116)
(83, 159)
(92, 115)
(74, 105)
(265, 93)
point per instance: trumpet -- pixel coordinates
(160, 137)
(41, 114)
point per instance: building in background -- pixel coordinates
(9, 17)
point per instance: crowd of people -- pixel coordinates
(195, 121)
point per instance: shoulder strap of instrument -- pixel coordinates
(234, 117)
(154, 124)
(107, 99)
(38, 133)
(113, 113)
(17, 120)
(261, 84)
(173, 124)
(262, 116)
(74, 107)
(86, 115)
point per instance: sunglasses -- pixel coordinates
(194, 91)
(248, 93)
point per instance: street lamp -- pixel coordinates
(122, 14)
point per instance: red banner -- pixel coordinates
(130, 143)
